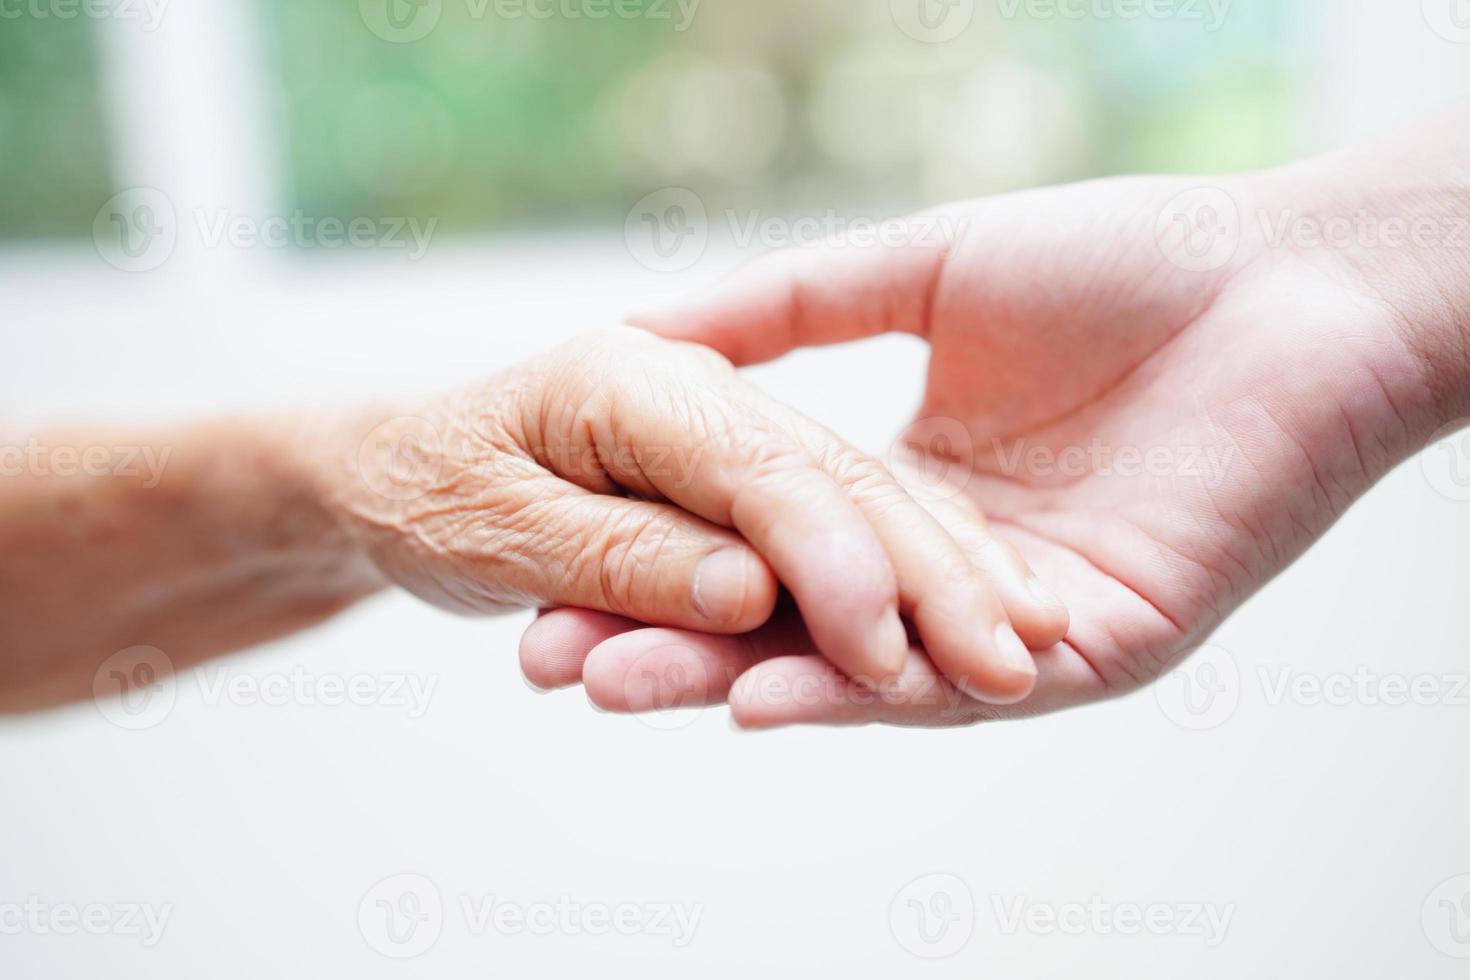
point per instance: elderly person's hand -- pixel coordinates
(1164, 389)
(641, 477)
(619, 472)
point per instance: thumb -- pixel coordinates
(647, 561)
(810, 296)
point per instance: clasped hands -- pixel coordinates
(643, 479)
(1146, 397)
(1262, 397)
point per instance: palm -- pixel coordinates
(1157, 442)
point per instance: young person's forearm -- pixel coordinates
(197, 541)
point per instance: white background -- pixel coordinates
(1324, 829)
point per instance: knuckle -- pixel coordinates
(773, 479)
(986, 549)
(740, 436)
(599, 355)
(614, 337)
(708, 359)
(778, 466)
(629, 558)
(568, 376)
(856, 472)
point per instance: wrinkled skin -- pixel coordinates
(608, 472)
(1270, 393)
(619, 472)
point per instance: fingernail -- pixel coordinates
(1013, 652)
(720, 582)
(1044, 596)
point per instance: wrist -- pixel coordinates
(380, 474)
(419, 492)
(1395, 220)
(309, 461)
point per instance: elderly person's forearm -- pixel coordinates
(198, 541)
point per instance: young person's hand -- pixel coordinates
(1159, 398)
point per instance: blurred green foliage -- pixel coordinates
(52, 150)
(491, 121)
(483, 122)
